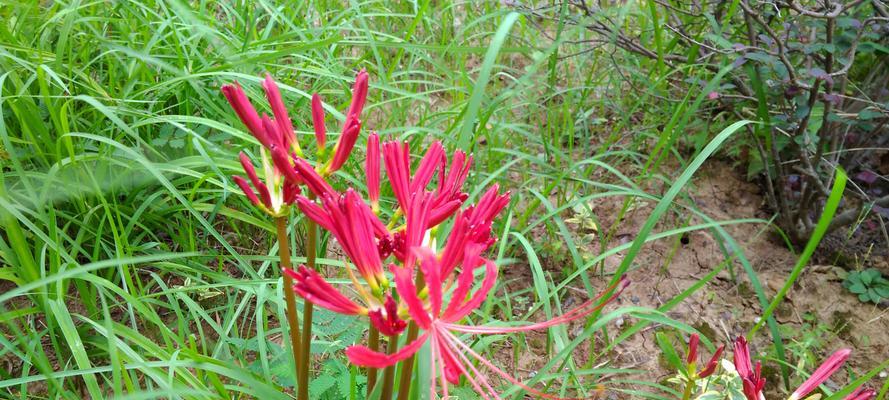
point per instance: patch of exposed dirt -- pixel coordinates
(726, 307)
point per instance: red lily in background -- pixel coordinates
(827, 368)
(754, 382)
(751, 377)
(692, 357)
(275, 194)
(862, 394)
(372, 169)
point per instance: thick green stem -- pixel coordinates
(306, 352)
(289, 296)
(407, 367)
(389, 374)
(689, 386)
(373, 342)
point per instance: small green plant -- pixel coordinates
(869, 285)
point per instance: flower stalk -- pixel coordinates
(373, 341)
(407, 368)
(289, 295)
(306, 351)
(389, 374)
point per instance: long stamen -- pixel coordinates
(494, 368)
(576, 313)
(454, 341)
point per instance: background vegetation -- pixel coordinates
(131, 267)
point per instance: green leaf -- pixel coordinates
(867, 277)
(668, 351)
(857, 288)
(868, 114)
(830, 208)
(874, 297)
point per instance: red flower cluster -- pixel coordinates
(435, 286)
(277, 137)
(754, 382)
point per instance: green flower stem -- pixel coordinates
(407, 367)
(389, 374)
(373, 342)
(311, 242)
(289, 296)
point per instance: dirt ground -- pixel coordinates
(726, 308)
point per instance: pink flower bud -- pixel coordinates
(318, 121)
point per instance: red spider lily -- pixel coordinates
(862, 394)
(318, 121)
(448, 198)
(278, 132)
(275, 194)
(351, 127)
(751, 377)
(282, 134)
(754, 382)
(310, 285)
(710, 368)
(452, 358)
(692, 358)
(472, 225)
(354, 226)
(372, 169)
(827, 368)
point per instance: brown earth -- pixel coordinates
(818, 315)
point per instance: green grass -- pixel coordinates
(131, 266)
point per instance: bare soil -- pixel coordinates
(725, 308)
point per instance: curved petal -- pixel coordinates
(363, 356)
(318, 121)
(245, 111)
(408, 291)
(285, 126)
(431, 270)
(283, 163)
(310, 285)
(248, 191)
(344, 145)
(828, 368)
(315, 182)
(372, 168)
(313, 212)
(396, 159)
(580, 311)
(478, 297)
(263, 190)
(426, 169)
